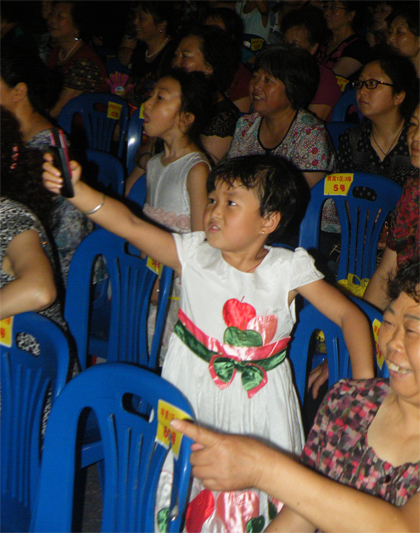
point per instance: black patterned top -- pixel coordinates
(15, 219)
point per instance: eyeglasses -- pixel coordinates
(332, 6)
(369, 84)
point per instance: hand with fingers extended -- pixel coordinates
(222, 462)
(51, 177)
(118, 83)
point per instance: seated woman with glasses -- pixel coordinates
(387, 94)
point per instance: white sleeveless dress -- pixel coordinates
(231, 312)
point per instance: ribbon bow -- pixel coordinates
(254, 375)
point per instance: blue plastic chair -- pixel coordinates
(104, 170)
(361, 221)
(335, 129)
(135, 130)
(138, 191)
(347, 100)
(117, 329)
(133, 457)
(302, 347)
(25, 381)
(98, 125)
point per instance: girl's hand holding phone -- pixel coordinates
(51, 177)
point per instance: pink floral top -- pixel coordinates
(307, 143)
(337, 445)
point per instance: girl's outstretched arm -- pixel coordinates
(312, 500)
(356, 328)
(114, 216)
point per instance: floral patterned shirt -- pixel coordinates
(307, 143)
(337, 445)
(404, 233)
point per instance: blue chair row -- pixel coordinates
(302, 347)
(26, 382)
(362, 217)
(132, 408)
(114, 328)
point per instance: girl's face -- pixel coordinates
(400, 37)
(268, 94)
(162, 109)
(399, 341)
(145, 26)
(413, 138)
(337, 16)
(60, 22)
(380, 101)
(232, 219)
(189, 57)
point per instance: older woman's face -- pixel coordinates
(399, 341)
(145, 26)
(401, 37)
(60, 22)
(268, 94)
(189, 56)
(413, 138)
(337, 16)
(380, 101)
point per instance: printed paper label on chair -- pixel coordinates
(154, 266)
(114, 110)
(141, 112)
(342, 82)
(376, 325)
(337, 184)
(6, 330)
(165, 434)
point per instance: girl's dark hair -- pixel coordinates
(295, 67)
(402, 74)
(313, 22)
(279, 185)
(196, 98)
(410, 12)
(43, 87)
(218, 51)
(21, 170)
(161, 11)
(407, 280)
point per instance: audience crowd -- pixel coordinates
(234, 95)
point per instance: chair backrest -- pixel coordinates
(26, 381)
(132, 450)
(347, 100)
(135, 130)
(104, 170)
(361, 219)
(335, 129)
(101, 112)
(303, 346)
(138, 191)
(131, 285)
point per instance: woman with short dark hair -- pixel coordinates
(283, 84)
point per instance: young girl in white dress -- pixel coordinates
(176, 113)
(227, 352)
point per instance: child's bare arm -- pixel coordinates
(356, 328)
(115, 216)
